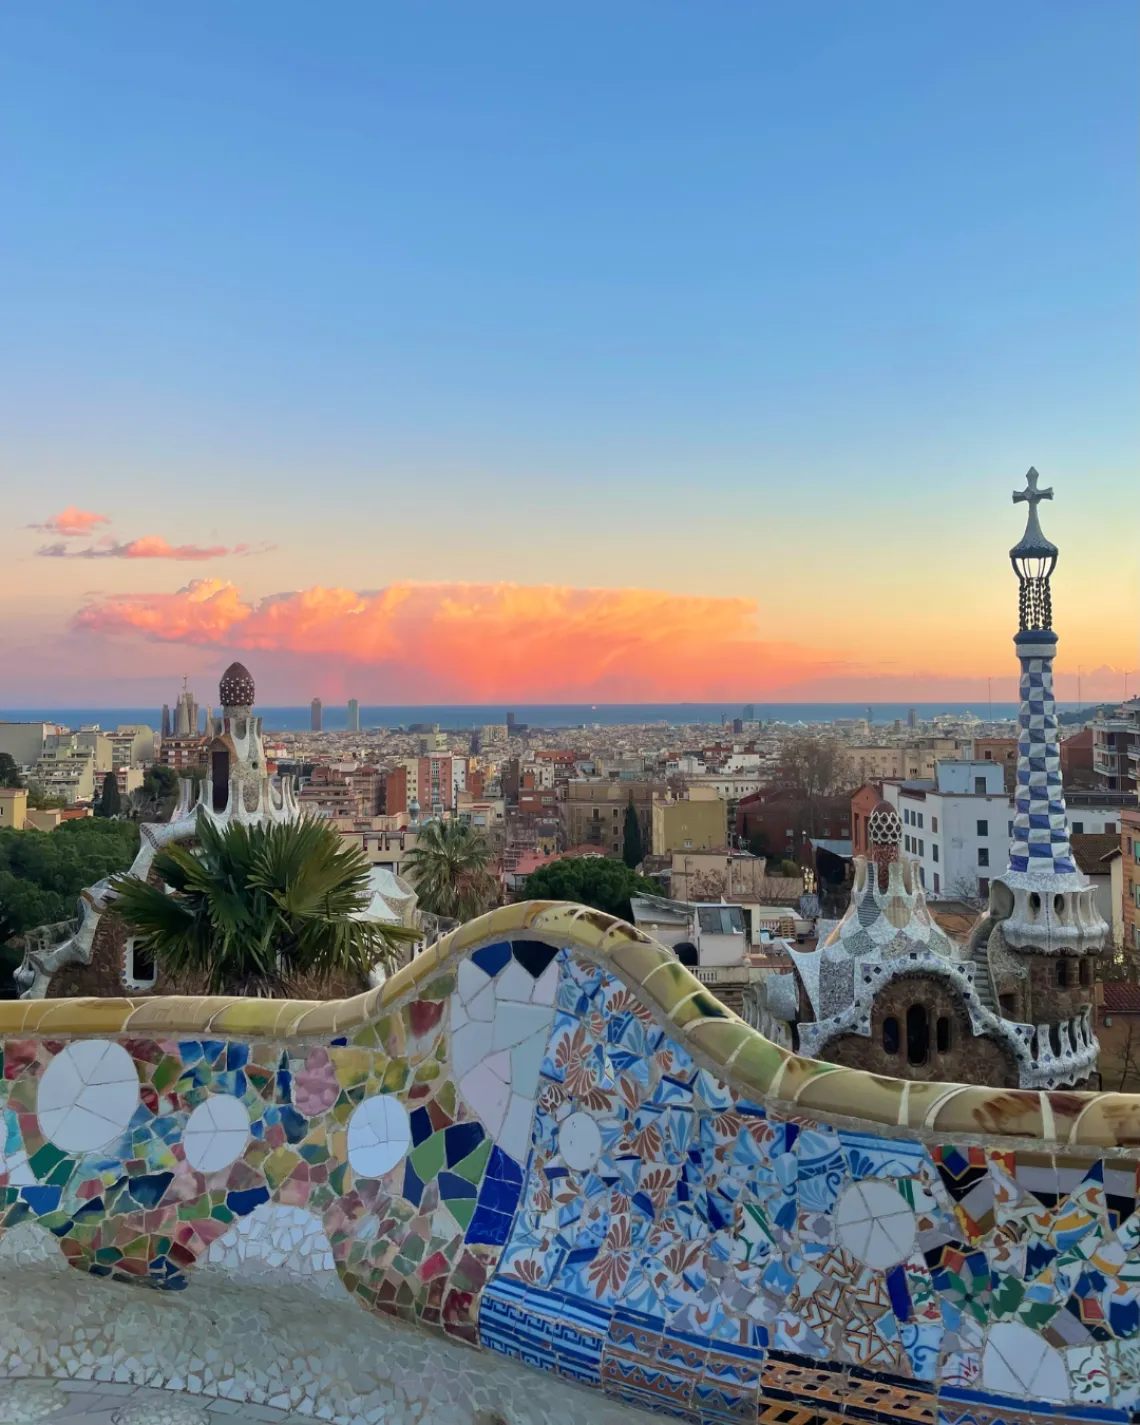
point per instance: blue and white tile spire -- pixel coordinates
(1040, 840)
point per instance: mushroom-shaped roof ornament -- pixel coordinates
(236, 687)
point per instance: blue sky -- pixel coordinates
(397, 288)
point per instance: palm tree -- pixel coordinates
(448, 867)
(253, 907)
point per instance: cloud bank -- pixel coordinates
(149, 546)
(72, 521)
(483, 641)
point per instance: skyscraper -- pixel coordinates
(912, 717)
(353, 722)
(315, 719)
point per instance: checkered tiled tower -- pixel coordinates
(1040, 840)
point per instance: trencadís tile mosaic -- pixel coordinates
(526, 1157)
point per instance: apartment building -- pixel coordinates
(697, 821)
(593, 813)
(432, 781)
(1126, 872)
(957, 826)
(1116, 749)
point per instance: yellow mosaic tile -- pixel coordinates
(719, 1039)
(757, 1064)
(318, 1020)
(175, 1013)
(636, 961)
(854, 1094)
(1110, 1120)
(669, 984)
(81, 1016)
(1011, 1113)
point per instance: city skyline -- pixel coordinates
(646, 358)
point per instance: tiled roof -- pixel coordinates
(1120, 997)
(1090, 849)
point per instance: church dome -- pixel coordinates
(236, 688)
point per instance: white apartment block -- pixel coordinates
(956, 826)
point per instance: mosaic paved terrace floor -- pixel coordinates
(228, 1355)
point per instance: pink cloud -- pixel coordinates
(149, 546)
(545, 642)
(72, 521)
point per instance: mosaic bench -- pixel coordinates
(544, 1139)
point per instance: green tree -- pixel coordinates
(590, 880)
(9, 772)
(39, 800)
(633, 853)
(449, 868)
(43, 872)
(254, 907)
(110, 803)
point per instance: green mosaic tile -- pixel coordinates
(441, 987)
(429, 1157)
(167, 1072)
(462, 1209)
(474, 1165)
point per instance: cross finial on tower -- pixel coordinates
(1031, 495)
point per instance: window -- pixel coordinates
(922, 877)
(983, 885)
(688, 844)
(983, 827)
(1062, 973)
(1078, 828)
(917, 1035)
(934, 823)
(989, 758)
(906, 816)
(934, 851)
(983, 856)
(139, 969)
(1086, 971)
(942, 1034)
(979, 786)
(890, 1035)
(937, 883)
(922, 848)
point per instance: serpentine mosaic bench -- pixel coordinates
(546, 1140)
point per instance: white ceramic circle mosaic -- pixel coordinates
(1018, 1362)
(215, 1133)
(379, 1134)
(87, 1095)
(579, 1141)
(875, 1224)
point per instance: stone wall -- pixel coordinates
(545, 1140)
(967, 1057)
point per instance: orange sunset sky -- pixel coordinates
(660, 354)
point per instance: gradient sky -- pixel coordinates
(592, 351)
